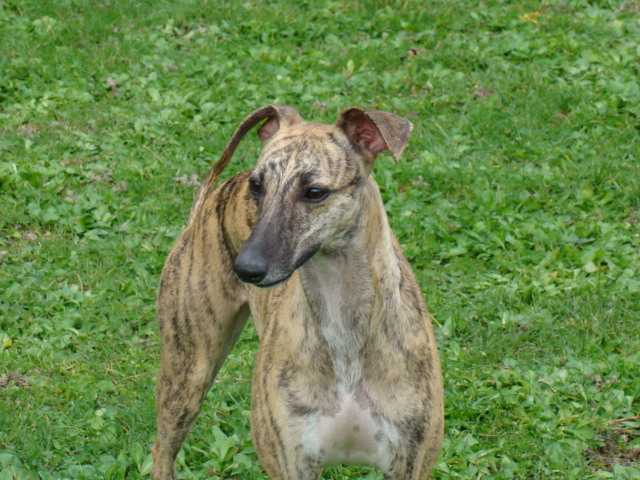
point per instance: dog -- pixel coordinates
(347, 370)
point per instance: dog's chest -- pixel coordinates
(347, 430)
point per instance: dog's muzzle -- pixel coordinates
(252, 266)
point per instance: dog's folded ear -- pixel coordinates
(281, 115)
(375, 131)
(276, 115)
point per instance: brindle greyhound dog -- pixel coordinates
(347, 368)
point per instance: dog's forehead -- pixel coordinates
(304, 143)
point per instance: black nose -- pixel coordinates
(250, 268)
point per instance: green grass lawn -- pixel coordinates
(517, 203)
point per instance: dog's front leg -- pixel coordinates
(199, 325)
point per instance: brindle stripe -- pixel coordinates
(183, 419)
(223, 236)
(177, 334)
(227, 290)
(286, 139)
(341, 166)
(346, 160)
(205, 239)
(334, 164)
(296, 407)
(223, 194)
(336, 141)
(281, 155)
(414, 426)
(186, 319)
(192, 253)
(303, 146)
(278, 449)
(204, 296)
(178, 252)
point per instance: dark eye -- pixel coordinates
(315, 195)
(255, 187)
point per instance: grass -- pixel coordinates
(517, 202)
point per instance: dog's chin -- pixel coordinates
(272, 284)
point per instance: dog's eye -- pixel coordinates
(316, 194)
(255, 187)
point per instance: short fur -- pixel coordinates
(347, 369)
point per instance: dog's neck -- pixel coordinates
(364, 268)
(351, 291)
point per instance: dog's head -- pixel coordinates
(308, 184)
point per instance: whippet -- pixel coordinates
(347, 369)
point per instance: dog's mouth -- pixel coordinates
(304, 258)
(270, 283)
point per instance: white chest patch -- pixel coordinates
(352, 436)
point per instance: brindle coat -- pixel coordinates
(347, 368)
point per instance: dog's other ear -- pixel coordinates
(374, 131)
